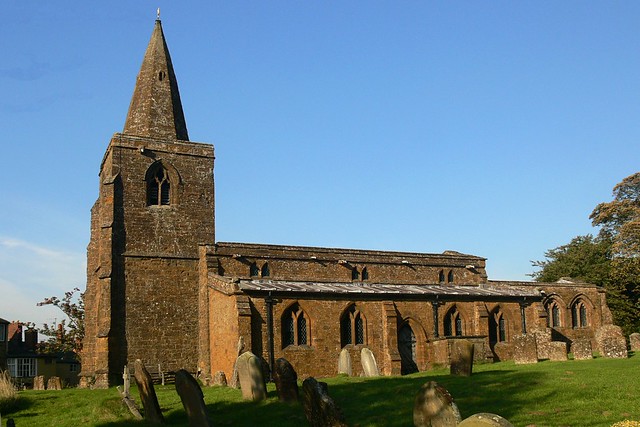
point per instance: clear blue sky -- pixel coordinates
(490, 128)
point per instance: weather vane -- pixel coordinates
(158, 14)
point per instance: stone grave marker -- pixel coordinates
(319, 407)
(251, 379)
(369, 365)
(344, 362)
(54, 383)
(543, 342)
(581, 349)
(485, 420)
(38, 382)
(192, 399)
(461, 358)
(503, 351)
(220, 379)
(611, 342)
(557, 351)
(148, 396)
(286, 380)
(525, 349)
(634, 341)
(434, 407)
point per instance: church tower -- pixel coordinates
(155, 207)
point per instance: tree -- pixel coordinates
(68, 334)
(611, 259)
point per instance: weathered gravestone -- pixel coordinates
(525, 349)
(461, 358)
(344, 362)
(581, 349)
(485, 420)
(220, 379)
(369, 365)
(38, 382)
(192, 399)
(434, 407)
(148, 396)
(543, 342)
(503, 351)
(611, 342)
(54, 383)
(251, 378)
(634, 341)
(286, 380)
(319, 407)
(557, 351)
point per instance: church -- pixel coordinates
(160, 288)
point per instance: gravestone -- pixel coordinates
(344, 362)
(611, 342)
(503, 351)
(525, 349)
(634, 341)
(319, 407)
(192, 399)
(38, 382)
(557, 351)
(54, 383)
(485, 420)
(543, 342)
(220, 379)
(369, 365)
(148, 396)
(461, 358)
(251, 379)
(581, 349)
(434, 407)
(286, 380)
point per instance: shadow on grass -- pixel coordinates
(20, 403)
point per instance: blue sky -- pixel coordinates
(490, 128)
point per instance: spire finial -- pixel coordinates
(158, 14)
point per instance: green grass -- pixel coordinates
(599, 392)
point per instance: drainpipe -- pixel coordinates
(523, 319)
(434, 305)
(269, 302)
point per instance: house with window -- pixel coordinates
(160, 288)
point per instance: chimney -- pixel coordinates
(30, 339)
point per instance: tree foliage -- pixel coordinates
(611, 259)
(67, 335)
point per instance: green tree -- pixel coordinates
(67, 335)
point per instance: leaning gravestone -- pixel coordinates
(344, 362)
(557, 351)
(148, 396)
(192, 399)
(38, 382)
(525, 349)
(319, 407)
(581, 349)
(54, 383)
(461, 358)
(251, 380)
(434, 407)
(220, 379)
(369, 365)
(611, 342)
(634, 341)
(503, 351)
(286, 380)
(485, 420)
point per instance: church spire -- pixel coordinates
(155, 110)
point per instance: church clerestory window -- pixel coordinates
(159, 187)
(295, 327)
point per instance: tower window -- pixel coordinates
(159, 188)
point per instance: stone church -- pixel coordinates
(160, 288)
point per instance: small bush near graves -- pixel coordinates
(593, 393)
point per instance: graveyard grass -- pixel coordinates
(597, 392)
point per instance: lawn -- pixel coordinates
(598, 392)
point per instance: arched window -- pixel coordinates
(441, 276)
(264, 271)
(554, 319)
(365, 273)
(352, 327)
(450, 277)
(253, 270)
(158, 186)
(354, 274)
(295, 327)
(579, 318)
(452, 323)
(497, 327)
